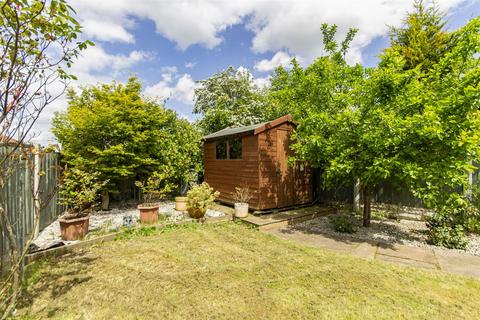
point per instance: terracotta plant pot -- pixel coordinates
(148, 214)
(196, 213)
(241, 210)
(181, 203)
(74, 229)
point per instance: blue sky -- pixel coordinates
(170, 44)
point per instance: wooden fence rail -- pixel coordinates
(17, 196)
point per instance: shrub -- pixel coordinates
(201, 196)
(78, 190)
(155, 188)
(451, 221)
(342, 223)
(449, 237)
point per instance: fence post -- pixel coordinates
(356, 196)
(36, 188)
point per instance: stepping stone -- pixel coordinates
(406, 252)
(460, 263)
(407, 262)
(365, 251)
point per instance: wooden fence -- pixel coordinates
(17, 196)
(386, 193)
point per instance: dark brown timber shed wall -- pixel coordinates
(263, 166)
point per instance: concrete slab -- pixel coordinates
(365, 251)
(407, 262)
(460, 263)
(315, 240)
(411, 253)
(448, 261)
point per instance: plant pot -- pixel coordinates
(74, 229)
(181, 203)
(148, 214)
(196, 213)
(241, 210)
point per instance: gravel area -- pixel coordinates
(406, 232)
(109, 221)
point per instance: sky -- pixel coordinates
(171, 44)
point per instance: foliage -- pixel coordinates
(449, 237)
(421, 41)
(201, 196)
(78, 191)
(229, 98)
(242, 194)
(332, 132)
(155, 187)
(342, 223)
(112, 129)
(38, 43)
(416, 127)
(451, 221)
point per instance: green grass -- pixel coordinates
(229, 271)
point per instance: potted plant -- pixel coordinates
(181, 201)
(199, 198)
(241, 196)
(153, 190)
(78, 191)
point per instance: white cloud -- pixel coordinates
(262, 82)
(297, 27)
(292, 25)
(279, 59)
(190, 65)
(96, 59)
(182, 89)
(94, 66)
(107, 31)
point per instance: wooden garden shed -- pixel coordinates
(257, 156)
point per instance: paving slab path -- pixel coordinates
(435, 259)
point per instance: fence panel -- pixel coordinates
(17, 197)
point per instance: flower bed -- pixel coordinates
(108, 221)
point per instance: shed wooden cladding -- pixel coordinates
(263, 165)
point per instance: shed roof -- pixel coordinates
(254, 128)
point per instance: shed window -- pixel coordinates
(229, 149)
(235, 148)
(221, 150)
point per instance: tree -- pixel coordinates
(229, 98)
(422, 40)
(112, 129)
(332, 133)
(37, 45)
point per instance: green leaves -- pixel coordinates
(229, 98)
(112, 129)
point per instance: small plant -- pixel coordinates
(342, 223)
(242, 194)
(449, 237)
(78, 191)
(199, 198)
(451, 221)
(155, 188)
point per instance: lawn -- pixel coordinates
(230, 271)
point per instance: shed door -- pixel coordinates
(285, 173)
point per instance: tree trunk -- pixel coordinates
(366, 206)
(356, 196)
(105, 200)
